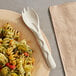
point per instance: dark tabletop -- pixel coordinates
(41, 6)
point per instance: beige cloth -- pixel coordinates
(64, 22)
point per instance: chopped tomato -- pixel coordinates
(26, 54)
(12, 66)
(7, 64)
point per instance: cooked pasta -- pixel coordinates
(9, 32)
(11, 55)
(3, 59)
(15, 57)
(20, 65)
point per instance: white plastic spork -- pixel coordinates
(31, 19)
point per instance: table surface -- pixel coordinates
(41, 6)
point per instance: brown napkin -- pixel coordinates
(64, 23)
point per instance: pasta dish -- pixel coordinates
(15, 56)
